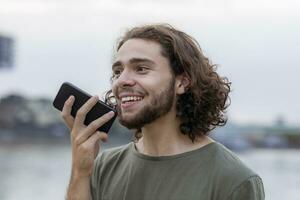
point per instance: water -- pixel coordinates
(34, 172)
(279, 169)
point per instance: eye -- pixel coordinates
(117, 72)
(142, 68)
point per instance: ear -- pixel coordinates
(182, 83)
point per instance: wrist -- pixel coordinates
(80, 175)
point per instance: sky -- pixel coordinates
(255, 43)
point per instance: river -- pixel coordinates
(41, 171)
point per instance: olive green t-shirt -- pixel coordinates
(209, 173)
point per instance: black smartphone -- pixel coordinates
(67, 89)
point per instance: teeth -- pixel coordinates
(131, 98)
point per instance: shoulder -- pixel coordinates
(250, 189)
(116, 152)
(105, 164)
(229, 164)
(112, 155)
(233, 173)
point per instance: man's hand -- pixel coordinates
(84, 139)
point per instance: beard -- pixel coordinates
(159, 105)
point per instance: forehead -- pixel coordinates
(139, 48)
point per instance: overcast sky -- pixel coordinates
(255, 43)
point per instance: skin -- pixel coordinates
(85, 146)
(156, 74)
(139, 74)
(139, 68)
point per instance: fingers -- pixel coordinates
(92, 128)
(66, 112)
(91, 141)
(96, 149)
(103, 137)
(81, 113)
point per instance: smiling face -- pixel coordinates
(143, 83)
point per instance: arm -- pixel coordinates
(79, 188)
(85, 147)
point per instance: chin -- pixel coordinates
(129, 125)
(130, 122)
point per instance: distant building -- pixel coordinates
(6, 52)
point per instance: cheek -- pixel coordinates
(156, 83)
(114, 89)
(147, 86)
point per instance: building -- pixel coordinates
(6, 52)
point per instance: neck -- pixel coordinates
(163, 137)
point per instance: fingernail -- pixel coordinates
(71, 98)
(111, 113)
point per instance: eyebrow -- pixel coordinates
(133, 61)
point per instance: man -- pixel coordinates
(169, 92)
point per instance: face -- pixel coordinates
(143, 83)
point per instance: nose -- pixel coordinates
(125, 79)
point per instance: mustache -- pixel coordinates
(129, 90)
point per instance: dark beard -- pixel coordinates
(159, 106)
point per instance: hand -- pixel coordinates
(84, 139)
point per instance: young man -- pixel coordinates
(169, 92)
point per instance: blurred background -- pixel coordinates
(46, 42)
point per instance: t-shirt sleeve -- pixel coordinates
(250, 189)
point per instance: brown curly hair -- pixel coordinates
(202, 107)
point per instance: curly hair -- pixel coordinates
(203, 106)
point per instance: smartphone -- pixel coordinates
(67, 89)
